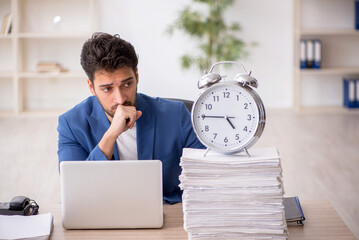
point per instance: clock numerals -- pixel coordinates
(215, 98)
(206, 128)
(226, 94)
(224, 117)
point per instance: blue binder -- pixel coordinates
(317, 58)
(351, 93)
(357, 14)
(293, 210)
(310, 53)
(303, 54)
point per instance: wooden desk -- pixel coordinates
(322, 222)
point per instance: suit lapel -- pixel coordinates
(99, 124)
(146, 126)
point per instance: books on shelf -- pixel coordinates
(357, 14)
(6, 24)
(310, 53)
(26, 227)
(49, 67)
(351, 92)
(293, 211)
(233, 196)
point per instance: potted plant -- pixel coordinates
(217, 39)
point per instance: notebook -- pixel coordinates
(111, 194)
(293, 211)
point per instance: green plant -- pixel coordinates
(217, 40)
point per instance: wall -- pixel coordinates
(143, 23)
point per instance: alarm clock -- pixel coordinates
(228, 116)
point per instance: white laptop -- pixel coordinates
(111, 194)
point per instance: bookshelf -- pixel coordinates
(331, 21)
(53, 32)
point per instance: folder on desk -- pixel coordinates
(293, 211)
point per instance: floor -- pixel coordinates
(319, 153)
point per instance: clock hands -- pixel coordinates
(225, 117)
(205, 116)
(230, 123)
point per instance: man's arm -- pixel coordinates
(124, 118)
(70, 149)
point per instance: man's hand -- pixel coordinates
(124, 118)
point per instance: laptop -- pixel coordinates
(111, 194)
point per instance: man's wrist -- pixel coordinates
(107, 143)
(110, 135)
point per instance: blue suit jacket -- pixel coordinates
(163, 130)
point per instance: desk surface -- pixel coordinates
(322, 222)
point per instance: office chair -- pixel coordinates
(188, 103)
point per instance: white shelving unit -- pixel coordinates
(36, 37)
(331, 21)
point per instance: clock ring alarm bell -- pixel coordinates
(228, 116)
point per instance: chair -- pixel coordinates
(188, 103)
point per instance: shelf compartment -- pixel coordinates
(60, 16)
(6, 74)
(44, 94)
(3, 37)
(328, 32)
(73, 74)
(48, 50)
(327, 110)
(330, 71)
(41, 35)
(6, 94)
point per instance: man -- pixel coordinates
(119, 123)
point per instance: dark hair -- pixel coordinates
(104, 52)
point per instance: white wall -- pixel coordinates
(143, 23)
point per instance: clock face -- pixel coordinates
(226, 117)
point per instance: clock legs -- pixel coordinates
(245, 149)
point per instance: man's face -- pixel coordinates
(116, 88)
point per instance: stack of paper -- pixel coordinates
(233, 196)
(26, 227)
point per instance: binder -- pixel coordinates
(357, 14)
(6, 24)
(310, 53)
(351, 93)
(293, 211)
(303, 54)
(317, 62)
